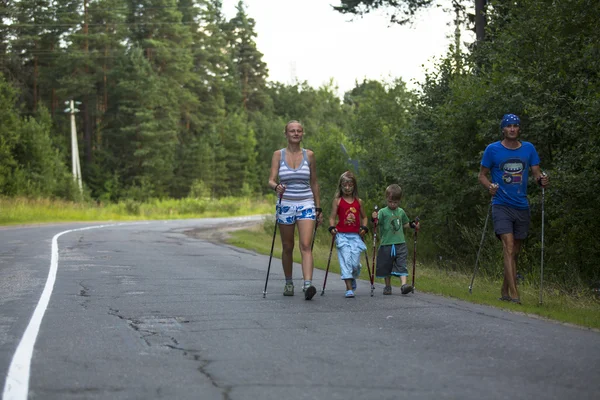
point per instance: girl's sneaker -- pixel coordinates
(349, 294)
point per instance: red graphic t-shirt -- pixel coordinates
(348, 216)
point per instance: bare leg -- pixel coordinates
(348, 284)
(509, 286)
(516, 255)
(306, 228)
(287, 245)
(388, 281)
(403, 280)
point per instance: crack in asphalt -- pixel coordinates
(153, 337)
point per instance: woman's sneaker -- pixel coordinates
(309, 292)
(288, 289)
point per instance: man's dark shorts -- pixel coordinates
(510, 220)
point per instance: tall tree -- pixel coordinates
(247, 63)
(9, 137)
(33, 41)
(196, 163)
(30, 165)
(142, 139)
(156, 26)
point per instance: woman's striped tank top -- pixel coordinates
(296, 181)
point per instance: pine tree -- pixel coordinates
(9, 137)
(141, 140)
(246, 61)
(34, 40)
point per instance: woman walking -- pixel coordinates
(294, 179)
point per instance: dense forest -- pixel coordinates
(174, 101)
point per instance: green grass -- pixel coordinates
(24, 211)
(582, 311)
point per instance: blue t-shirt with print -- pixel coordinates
(510, 170)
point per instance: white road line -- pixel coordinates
(16, 386)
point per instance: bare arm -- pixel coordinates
(273, 184)
(364, 221)
(485, 182)
(314, 185)
(333, 215)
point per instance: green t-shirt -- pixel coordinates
(391, 226)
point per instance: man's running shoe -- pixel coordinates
(288, 289)
(310, 292)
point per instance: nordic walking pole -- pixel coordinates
(372, 275)
(542, 256)
(272, 246)
(480, 245)
(369, 268)
(415, 254)
(314, 234)
(328, 262)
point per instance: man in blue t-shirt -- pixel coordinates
(508, 161)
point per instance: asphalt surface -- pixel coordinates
(153, 311)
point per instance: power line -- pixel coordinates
(128, 11)
(99, 53)
(59, 25)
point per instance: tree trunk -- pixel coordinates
(480, 19)
(35, 83)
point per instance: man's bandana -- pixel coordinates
(509, 119)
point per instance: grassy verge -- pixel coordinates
(583, 311)
(24, 211)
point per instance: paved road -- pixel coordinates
(149, 311)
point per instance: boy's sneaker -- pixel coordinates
(349, 294)
(353, 284)
(406, 289)
(309, 292)
(288, 289)
(387, 290)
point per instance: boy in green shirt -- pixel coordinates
(392, 253)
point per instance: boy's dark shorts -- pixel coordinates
(392, 265)
(511, 220)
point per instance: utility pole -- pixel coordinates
(76, 168)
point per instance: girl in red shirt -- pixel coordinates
(350, 228)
